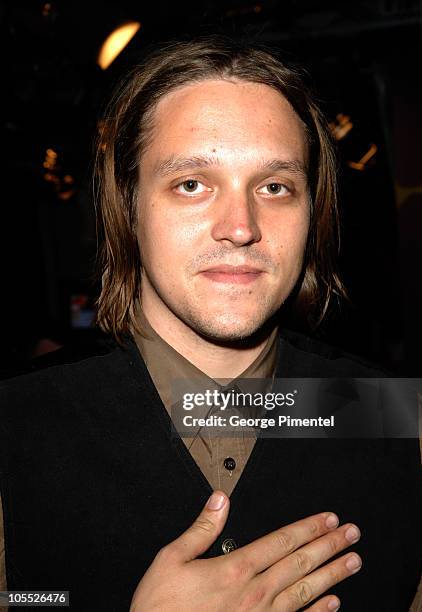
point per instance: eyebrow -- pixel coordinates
(174, 164)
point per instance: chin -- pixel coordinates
(226, 328)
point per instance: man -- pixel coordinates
(216, 194)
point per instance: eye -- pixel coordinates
(190, 186)
(274, 189)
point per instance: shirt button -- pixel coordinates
(228, 545)
(229, 464)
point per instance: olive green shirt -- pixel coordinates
(214, 455)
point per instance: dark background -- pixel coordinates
(364, 58)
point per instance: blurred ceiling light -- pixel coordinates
(341, 126)
(50, 159)
(361, 164)
(46, 8)
(116, 42)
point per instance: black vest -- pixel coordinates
(94, 484)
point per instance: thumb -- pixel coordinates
(206, 528)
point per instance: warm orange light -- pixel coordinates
(361, 164)
(50, 159)
(46, 9)
(116, 42)
(341, 126)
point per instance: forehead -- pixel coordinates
(233, 118)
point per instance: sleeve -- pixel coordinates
(3, 583)
(417, 602)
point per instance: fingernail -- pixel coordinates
(353, 563)
(331, 521)
(216, 501)
(352, 534)
(334, 605)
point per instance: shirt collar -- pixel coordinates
(166, 366)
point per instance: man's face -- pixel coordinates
(223, 208)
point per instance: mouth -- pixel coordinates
(233, 274)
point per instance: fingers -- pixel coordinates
(269, 549)
(311, 556)
(313, 585)
(330, 603)
(202, 533)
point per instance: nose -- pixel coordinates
(235, 219)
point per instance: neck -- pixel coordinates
(217, 359)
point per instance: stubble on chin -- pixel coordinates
(226, 327)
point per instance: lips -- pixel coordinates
(232, 274)
(225, 269)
